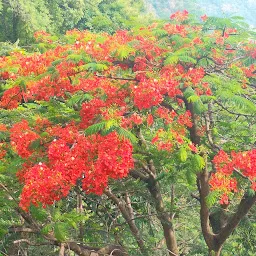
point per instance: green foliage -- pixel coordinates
(93, 67)
(124, 51)
(22, 18)
(183, 154)
(95, 128)
(197, 163)
(126, 134)
(212, 198)
(39, 214)
(108, 126)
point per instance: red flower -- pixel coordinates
(150, 120)
(179, 16)
(253, 186)
(204, 17)
(224, 199)
(220, 40)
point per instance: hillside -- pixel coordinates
(244, 8)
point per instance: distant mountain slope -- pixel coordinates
(244, 8)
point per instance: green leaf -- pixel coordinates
(251, 192)
(61, 231)
(72, 223)
(189, 92)
(197, 163)
(183, 154)
(38, 213)
(56, 62)
(47, 229)
(35, 144)
(95, 128)
(199, 107)
(78, 99)
(171, 60)
(193, 98)
(191, 177)
(212, 197)
(126, 134)
(160, 32)
(187, 59)
(110, 123)
(160, 176)
(74, 58)
(93, 67)
(124, 51)
(3, 232)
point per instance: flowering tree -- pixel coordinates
(152, 105)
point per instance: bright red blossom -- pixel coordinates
(21, 138)
(204, 17)
(73, 156)
(244, 162)
(180, 16)
(150, 120)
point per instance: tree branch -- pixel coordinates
(122, 207)
(232, 112)
(244, 207)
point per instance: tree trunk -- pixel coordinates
(134, 229)
(15, 23)
(163, 216)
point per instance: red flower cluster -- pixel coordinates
(90, 110)
(21, 138)
(114, 160)
(11, 98)
(70, 157)
(42, 185)
(180, 16)
(173, 29)
(185, 119)
(244, 162)
(150, 90)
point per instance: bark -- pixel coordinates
(163, 216)
(13, 250)
(243, 208)
(204, 190)
(15, 23)
(62, 249)
(83, 250)
(216, 241)
(130, 221)
(80, 210)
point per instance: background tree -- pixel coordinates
(20, 19)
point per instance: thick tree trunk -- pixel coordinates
(216, 241)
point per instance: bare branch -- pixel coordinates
(232, 112)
